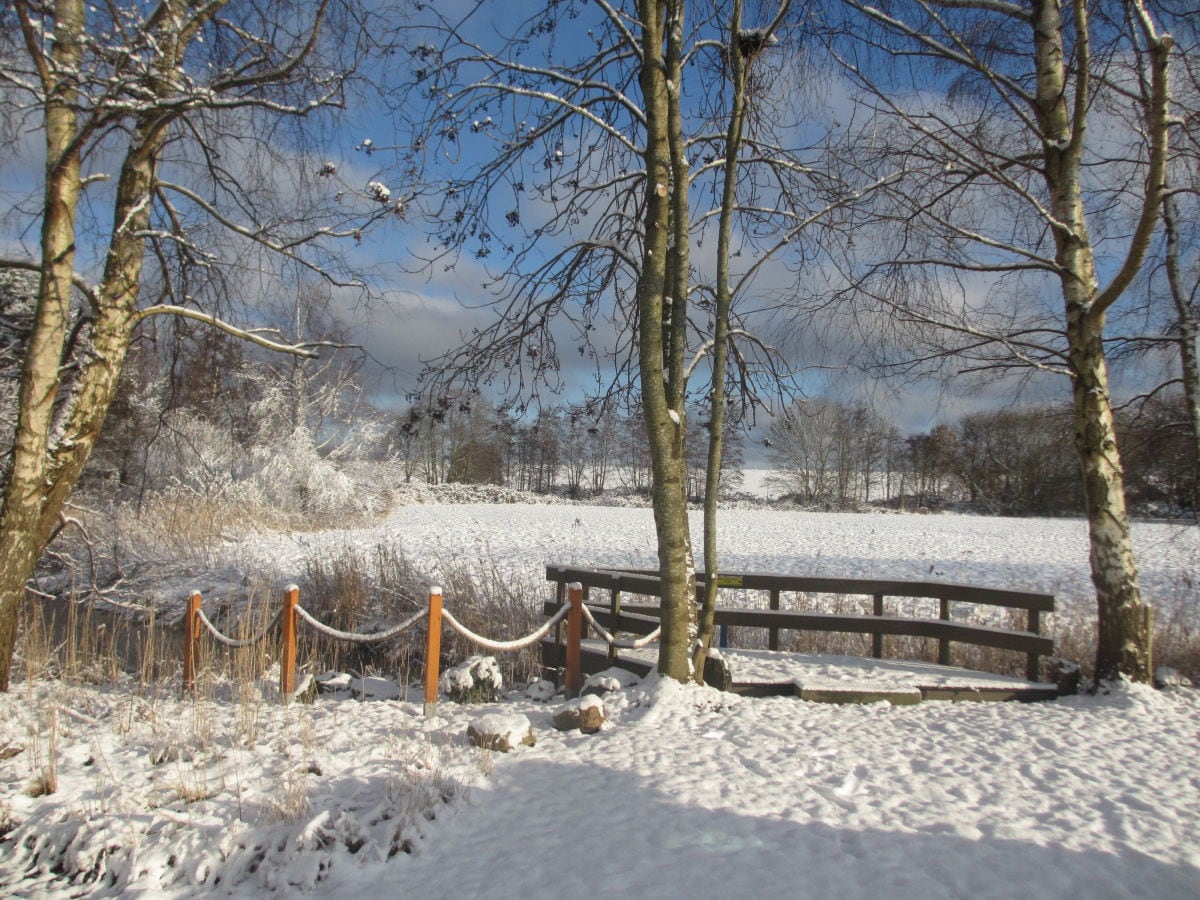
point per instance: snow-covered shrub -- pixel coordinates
(474, 680)
(294, 477)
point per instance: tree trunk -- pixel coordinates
(724, 301)
(49, 455)
(1124, 646)
(21, 537)
(1189, 330)
(660, 339)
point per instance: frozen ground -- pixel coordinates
(1032, 554)
(684, 793)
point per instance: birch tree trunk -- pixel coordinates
(139, 89)
(662, 324)
(1124, 646)
(22, 533)
(720, 350)
(1189, 331)
(1031, 154)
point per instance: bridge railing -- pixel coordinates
(641, 618)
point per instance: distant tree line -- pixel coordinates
(203, 411)
(558, 450)
(1015, 461)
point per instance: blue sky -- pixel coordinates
(413, 317)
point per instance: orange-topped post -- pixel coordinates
(191, 637)
(574, 679)
(433, 650)
(287, 649)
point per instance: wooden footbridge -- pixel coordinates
(759, 672)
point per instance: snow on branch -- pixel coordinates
(253, 335)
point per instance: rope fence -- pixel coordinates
(605, 635)
(502, 646)
(238, 643)
(359, 637)
(195, 622)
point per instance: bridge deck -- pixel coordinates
(836, 679)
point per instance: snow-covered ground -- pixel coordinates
(685, 792)
(1032, 554)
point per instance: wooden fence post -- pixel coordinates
(560, 597)
(433, 650)
(943, 643)
(191, 637)
(574, 678)
(614, 607)
(287, 644)
(773, 631)
(877, 637)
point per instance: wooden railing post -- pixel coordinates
(287, 644)
(943, 643)
(773, 631)
(560, 597)
(614, 607)
(574, 677)
(433, 651)
(1032, 664)
(191, 638)
(877, 637)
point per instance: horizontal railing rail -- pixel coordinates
(641, 618)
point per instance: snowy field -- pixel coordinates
(684, 792)
(1047, 555)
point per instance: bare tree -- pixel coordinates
(585, 135)
(183, 99)
(1180, 259)
(985, 108)
(803, 450)
(620, 138)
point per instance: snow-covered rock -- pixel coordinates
(1066, 676)
(343, 686)
(587, 714)
(591, 714)
(540, 690)
(501, 732)
(611, 679)
(1168, 679)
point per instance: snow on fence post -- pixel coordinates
(287, 649)
(191, 638)
(574, 679)
(433, 650)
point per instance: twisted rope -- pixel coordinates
(613, 642)
(518, 644)
(645, 641)
(234, 642)
(373, 637)
(598, 628)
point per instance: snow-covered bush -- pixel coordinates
(294, 477)
(474, 680)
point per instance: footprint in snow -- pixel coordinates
(755, 768)
(847, 794)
